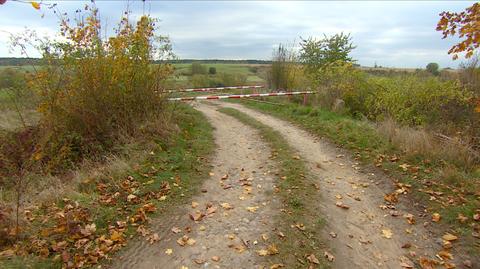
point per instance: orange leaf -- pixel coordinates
(35, 5)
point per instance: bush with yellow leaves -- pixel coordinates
(97, 90)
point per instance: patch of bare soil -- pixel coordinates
(224, 224)
(364, 231)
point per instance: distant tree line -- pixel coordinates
(12, 61)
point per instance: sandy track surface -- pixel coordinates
(233, 235)
(358, 235)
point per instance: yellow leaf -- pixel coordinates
(35, 5)
(436, 217)
(169, 251)
(387, 233)
(449, 237)
(116, 236)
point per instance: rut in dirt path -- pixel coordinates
(228, 231)
(365, 235)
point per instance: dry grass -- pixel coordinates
(421, 141)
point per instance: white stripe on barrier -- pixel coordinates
(217, 88)
(236, 96)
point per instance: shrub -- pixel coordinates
(414, 101)
(212, 70)
(95, 91)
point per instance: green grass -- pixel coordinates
(362, 139)
(295, 188)
(239, 69)
(182, 161)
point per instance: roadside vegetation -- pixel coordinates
(300, 224)
(89, 146)
(422, 127)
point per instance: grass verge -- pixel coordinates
(87, 226)
(300, 223)
(442, 187)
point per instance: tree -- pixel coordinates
(317, 54)
(466, 25)
(433, 68)
(212, 70)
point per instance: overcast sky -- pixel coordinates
(400, 34)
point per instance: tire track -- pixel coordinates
(234, 235)
(355, 234)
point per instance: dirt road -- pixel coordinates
(361, 229)
(239, 209)
(369, 234)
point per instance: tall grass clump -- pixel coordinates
(285, 73)
(96, 91)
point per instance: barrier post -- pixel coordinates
(304, 99)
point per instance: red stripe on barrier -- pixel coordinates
(210, 97)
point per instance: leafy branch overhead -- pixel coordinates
(465, 25)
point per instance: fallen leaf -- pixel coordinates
(116, 236)
(426, 263)
(194, 204)
(224, 177)
(265, 237)
(131, 198)
(387, 233)
(211, 210)
(239, 248)
(169, 251)
(329, 256)
(272, 249)
(461, 218)
(445, 255)
(276, 266)
(311, 258)
(410, 218)
(252, 209)
(342, 205)
(436, 217)
(197, 216)
(262, 252)
(449, 237)
(153, 238)
(226, 206)
(176, 230)
(391, 197)
(191, 242)
(300, 226)
(215, 258)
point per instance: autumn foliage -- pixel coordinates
(466, 25)
(95, 91)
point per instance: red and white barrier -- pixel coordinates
(237, 96)
(217, 88)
